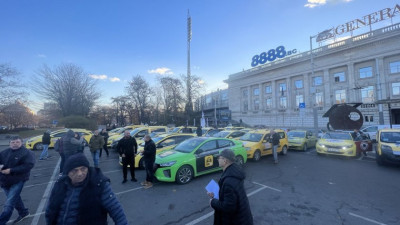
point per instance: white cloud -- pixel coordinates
(114, 79)
(41, 56)
(315, 3)
(161, 71)
(98, 77)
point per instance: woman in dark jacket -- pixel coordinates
(232, 207)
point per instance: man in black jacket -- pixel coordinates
(127, 148)
(275, 144)
(45, 143)
(149, 156)
(232, 207)
(16, 163)
(105, 135)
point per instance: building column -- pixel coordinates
(352, 88)
(327, 89)
(288, 91)
(380, 82)
(307, 93)
(274, 94)
(261, 97)
(249, 103)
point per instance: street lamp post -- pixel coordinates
(315, 112)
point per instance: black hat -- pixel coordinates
(228, 154)
(74, 161)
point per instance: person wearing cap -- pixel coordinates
(83, 196)
(233, 206)
(16, 163)
(45, 143)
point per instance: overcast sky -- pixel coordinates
(115, 40)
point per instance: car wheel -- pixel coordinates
(257, 156)
(305, 147)
(239, 160)
(284, 150)
(38, 146)
(142, 165)
(184, 175)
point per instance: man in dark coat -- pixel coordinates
(232, 207)
(45, 143)
(199, 131)
(83, 196)
(149, 156)
(127, 149)
(104, 133)
(16, 163)
(275, 144)
(70, 146)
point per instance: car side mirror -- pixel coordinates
(199, 151)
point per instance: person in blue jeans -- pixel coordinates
(95, 144)
(45, 143)
(16, 163)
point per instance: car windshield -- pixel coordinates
(390, 137)
(251, 137)
(211, 133)
(175, 130)
(296, 134)
(222, 134)
(188, 145)
(157, 139)
(133, 132)
(337, 136)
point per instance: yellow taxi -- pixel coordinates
(180, 129)
(162, 142)
(118, 135)
(301, 139)
(139, 133)
(35, 143)
(232, 134)
(388, 146)
(257, 143)
(115, 131)
(337, 143)
(234, 128)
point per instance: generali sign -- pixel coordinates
(357, 23)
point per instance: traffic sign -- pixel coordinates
(302, 105)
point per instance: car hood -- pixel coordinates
(295, 139)
(169, 155)
(34, 138)
(116, 137)
(335, 142)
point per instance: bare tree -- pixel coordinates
(123, 109)
(17, 114)
(173, 96)
(11, 87)
(103, 114)
(68, 86)
(139, 90)
(195, 87)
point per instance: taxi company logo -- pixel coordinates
(357, 23)
(208, 161)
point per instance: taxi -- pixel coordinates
(179, 129)
(301, 139)
(235, 134)
(139, 133)
(257, 143)
(388, 146)
(35, 143)
(115, 131)
(194, 157)
(336, 143)
(212, 132)
(163, 142)
(234, 128)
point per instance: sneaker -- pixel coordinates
(41, 159)
(134, 180)
(124, 181)
(149, 185)
(20, 218)
(144, 183)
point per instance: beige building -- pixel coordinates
(363, 68)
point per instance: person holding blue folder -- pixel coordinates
(232, 207)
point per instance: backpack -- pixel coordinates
(58, 146)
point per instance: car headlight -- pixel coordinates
(347, 146)
(248, 148)
(386, 148)
(168, 163)
(321, 145)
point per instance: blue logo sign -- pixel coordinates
(55, 122)
(271, 55)
(302, 105)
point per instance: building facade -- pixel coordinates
(294, 92)
(215, 108)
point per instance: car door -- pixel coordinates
(205, 156)
(267, 145)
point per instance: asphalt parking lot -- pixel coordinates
(303, 188)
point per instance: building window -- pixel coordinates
(283, 102)
(268, 89)
(224, 96)
(256, 92)
(299, 99)
(369, 118)
(317, 81)
(367, 94)
(208, 100)
(282, 89)
(245, 106)
(319, 101)
(268, 103)
(298, 84)
(245, 93)
(366, 72)
(394, 67)
(256, 104)
(340, 96)
(396, 88)
(339, 77)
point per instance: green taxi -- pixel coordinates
(195, 157)
(301, 140)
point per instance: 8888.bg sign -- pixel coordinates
(271, 55)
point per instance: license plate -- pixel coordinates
(333, 150)
(396, 153)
